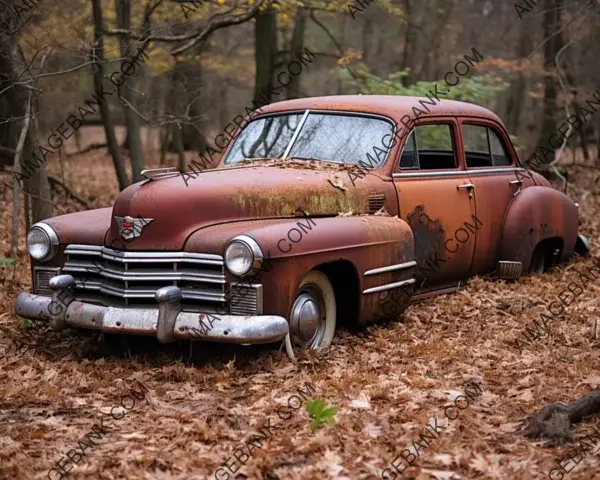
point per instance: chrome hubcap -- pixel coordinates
(307, 320)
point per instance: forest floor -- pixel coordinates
(389, 382)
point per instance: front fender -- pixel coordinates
(536, 214)
(365, 242)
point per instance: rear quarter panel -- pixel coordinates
(535, 214)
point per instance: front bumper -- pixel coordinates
(167, 322)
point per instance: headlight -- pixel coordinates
(242, 255)
(42, 242)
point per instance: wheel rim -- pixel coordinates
(308, 317)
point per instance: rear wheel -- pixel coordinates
(313, 313)
(539, 260)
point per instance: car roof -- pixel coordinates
(393, 106)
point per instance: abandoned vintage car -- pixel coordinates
(319, 210)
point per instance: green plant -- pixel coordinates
(481, 89)
(320, 414)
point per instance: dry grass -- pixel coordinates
(389, 382)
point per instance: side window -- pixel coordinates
(483, 147)
(477, 150)
(429, 147)
(408, 159)
(501, 158)
(434, 147)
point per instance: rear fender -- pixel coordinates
(536, 214)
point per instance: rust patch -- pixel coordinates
(429, 235)
(292, 163)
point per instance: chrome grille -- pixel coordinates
(246, 299)
(42, 280)
(115, 278)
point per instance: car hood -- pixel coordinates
(172, 210)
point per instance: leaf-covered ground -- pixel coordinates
(388, 382)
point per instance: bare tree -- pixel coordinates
(107, 123)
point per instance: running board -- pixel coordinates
(423, 294)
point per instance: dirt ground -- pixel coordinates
(388, 382)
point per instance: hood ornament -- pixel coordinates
(131, 228)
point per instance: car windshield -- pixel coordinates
(326, 137)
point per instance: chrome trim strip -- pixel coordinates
(389, 286)
(442, 173)
(150, 276)
(295, 135)
(495, 170)
(456, 173)
(123, 257)
(390, 268)
(158, 173)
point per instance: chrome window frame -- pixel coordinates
(448, 173)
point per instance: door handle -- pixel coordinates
(469, 186)
(516, 182)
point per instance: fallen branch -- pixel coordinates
(554, 421)
(93, 146)
(69, 192)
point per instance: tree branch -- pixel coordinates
(69, 192)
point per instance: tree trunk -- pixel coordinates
(554, 421)
(98, 58)
(551, 22)
(518, 89)
(265, 39)
(410, 46)
(11, 66)
(598, 143)
(297, 47)
(16, 213)
(367, 38)
(178, 143)
(126, 91)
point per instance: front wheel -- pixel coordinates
(313, 313)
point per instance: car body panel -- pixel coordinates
(538, 213)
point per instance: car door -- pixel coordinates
(492, 170)
(435, 199)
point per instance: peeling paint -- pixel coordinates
(429, 234)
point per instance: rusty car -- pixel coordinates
(317, 211)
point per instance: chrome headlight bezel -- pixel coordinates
(254, 257)
(51, 241)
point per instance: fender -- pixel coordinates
(366, 242)
(537, 213)
(296, 246)
(89, 227)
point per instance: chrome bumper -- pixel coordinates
(166, 322)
